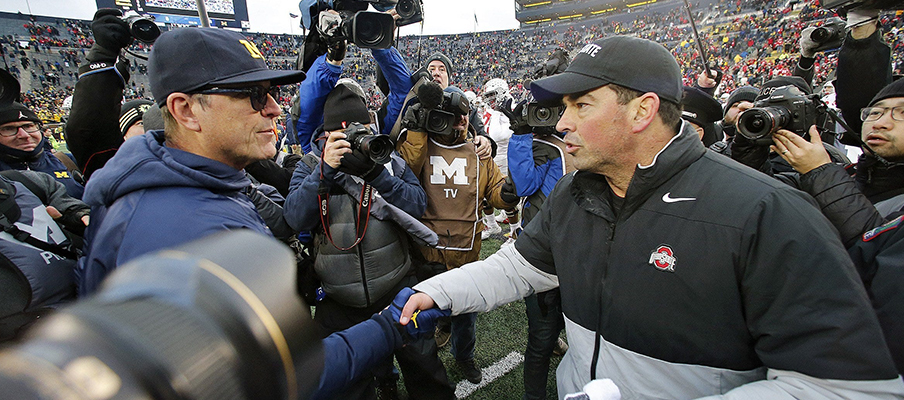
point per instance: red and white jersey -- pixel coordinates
(497, 125)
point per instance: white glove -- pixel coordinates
(807, 45)
(597, 389)
(859, 16)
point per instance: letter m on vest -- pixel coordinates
(442, 169)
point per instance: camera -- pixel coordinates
(829, 36)
(439, 119)
(376, 147)
(867, 4)
(366, 29)
(410, 11)
(202, 321)
(142, 28)
(787, 107)
(538, 115)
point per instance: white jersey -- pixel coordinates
(497, 125)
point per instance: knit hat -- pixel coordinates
(342, 107)
(894, 89)
(634, 63)
(743, 93)
(132, 112)
(443, 59)
(15, 112)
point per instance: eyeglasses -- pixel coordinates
(874, 113)
(257, 94)
(8, 131)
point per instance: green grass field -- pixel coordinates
(500, 333)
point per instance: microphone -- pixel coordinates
(430, 94)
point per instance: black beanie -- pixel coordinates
(15, 112)
(894, 89)
(743, 93)
(443, 59)
(132, 112)
(342, 107)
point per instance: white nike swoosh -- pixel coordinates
(666, 198)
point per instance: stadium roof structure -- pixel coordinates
(535, 12)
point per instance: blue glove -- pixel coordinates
(422, 321)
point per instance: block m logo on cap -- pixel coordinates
(252, 49)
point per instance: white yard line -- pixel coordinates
(490, 374)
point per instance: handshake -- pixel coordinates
(421, 321)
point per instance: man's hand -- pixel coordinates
(517, 120)
(336, 147)
(803, 156)
(483, 147)
(508, 193)
(111, 34)
(709, 81)
(419, 322)
(416, 302)
(359, 164)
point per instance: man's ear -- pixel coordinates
(644, 110)
(179, 106)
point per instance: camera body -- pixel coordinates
(539, 115)
(787, 107)
(377, 147)
(440, 119)
(142, 27)
(829, 36)
(366, 29)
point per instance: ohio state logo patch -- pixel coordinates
(663, 258)
(872, 234)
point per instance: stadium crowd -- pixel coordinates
(716, 224)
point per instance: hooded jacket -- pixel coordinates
(706, 283)
(149, 196)
(42, 160)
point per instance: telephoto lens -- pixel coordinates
(219, 318)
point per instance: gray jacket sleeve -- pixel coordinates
(481, 286)
(788, 385)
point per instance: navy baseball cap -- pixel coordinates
(634, 63)
(188, 59)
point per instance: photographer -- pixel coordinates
(362, 245)
(93, 130)
(456, 180)
(325, 71)
(536, 161)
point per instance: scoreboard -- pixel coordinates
(222, 13)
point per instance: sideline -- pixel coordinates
(490, 374)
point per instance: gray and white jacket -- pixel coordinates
(712, 280)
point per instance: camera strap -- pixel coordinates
(364, 204)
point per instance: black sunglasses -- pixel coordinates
(257, 94)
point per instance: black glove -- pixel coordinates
(412, 118)
(508, 193)
(516, 117)
(111, 34)
(750, 153)
(359, 164)
(336, 51)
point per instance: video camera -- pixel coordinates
(410, 11)
(142, 27)
(867, 4)
(787, 107)
(366, 29)
(439, 111)
(202, 321)
(376, 147)
(539, 115)
(829, 36)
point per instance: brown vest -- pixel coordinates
(450, 178)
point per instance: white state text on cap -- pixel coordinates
(590, 49)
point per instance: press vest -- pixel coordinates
(450, 179)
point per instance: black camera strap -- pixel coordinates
(364, 204)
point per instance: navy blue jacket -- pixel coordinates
(44, 161)
(149, 197)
